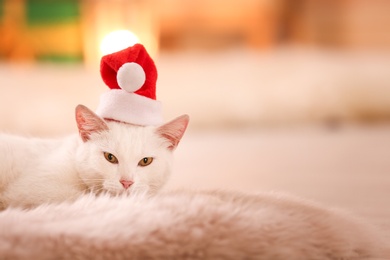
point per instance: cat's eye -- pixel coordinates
(145, 161)
(110, 157)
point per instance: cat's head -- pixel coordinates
(121, 158)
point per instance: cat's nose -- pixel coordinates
(126, 184)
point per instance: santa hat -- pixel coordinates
(131, 76)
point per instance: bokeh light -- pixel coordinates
(117, 40)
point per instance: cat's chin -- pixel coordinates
(131, 191)
(117, 192)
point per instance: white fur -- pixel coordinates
(188, 225)
(34, 171)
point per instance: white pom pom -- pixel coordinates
(130, 77)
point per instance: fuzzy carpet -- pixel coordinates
(188, 225)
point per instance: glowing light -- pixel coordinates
(117, 40)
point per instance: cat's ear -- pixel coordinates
(88, 122)
(173, 131)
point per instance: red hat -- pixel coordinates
(131, 76)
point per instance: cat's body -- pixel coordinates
(35, 171)
(189, 225)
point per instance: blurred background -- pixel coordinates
(290, 95)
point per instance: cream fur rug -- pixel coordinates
(188, 225)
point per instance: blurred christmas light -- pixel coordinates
(117, 40)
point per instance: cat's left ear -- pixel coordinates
(88, 122)
(174, 130)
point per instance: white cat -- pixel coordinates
(107, 156)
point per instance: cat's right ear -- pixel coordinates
(88, 122)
